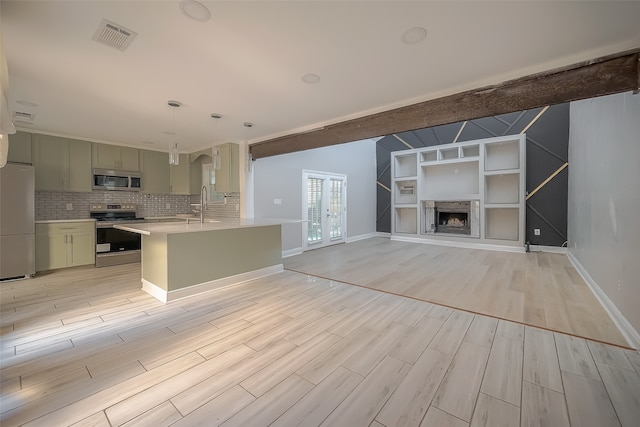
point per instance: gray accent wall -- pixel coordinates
(547, 148)
(280, 177)
(604, 197)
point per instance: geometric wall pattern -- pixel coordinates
(547, 132)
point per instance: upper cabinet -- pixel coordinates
(106, 156)
(155, 172)
(61, 164)
(20, 147)
(180, 176)
(228, 176)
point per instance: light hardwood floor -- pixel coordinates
(538, 289)
(87, 347)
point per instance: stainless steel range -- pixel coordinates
(115, 246)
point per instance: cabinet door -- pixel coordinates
(82, 248)
(195, 176)
(79, 170)
(20, 147)
(106, 156)
(180, 176)
(51, 250)
(50, 162)
(228, 176)
(129, 159)
(155, 172)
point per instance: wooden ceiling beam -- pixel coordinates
(602, 76)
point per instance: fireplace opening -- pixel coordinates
(452, 217)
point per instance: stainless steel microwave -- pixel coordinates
(105, 179)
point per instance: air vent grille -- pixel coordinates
(114, 35)
(22, 116)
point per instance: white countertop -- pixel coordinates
(53, 221)
(196, 226)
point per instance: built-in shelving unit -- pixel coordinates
(481, 182)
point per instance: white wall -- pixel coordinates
(604, 197)
(280, 177)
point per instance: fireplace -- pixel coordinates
(452, 217)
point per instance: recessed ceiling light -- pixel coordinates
(194, 10)
(248, 124)
(27, 103)
(414, 35)
(147, 142)
(174, 104)
(168, 132)
(216, 115)
(311, 78)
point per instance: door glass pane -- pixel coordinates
(314, 209)
(335, 208)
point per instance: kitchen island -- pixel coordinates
(188, 258)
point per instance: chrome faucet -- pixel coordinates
(203, 202)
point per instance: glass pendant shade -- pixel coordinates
(216, 162)
(174, 155)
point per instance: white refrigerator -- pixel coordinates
(17, 221)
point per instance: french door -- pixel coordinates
(324, 209)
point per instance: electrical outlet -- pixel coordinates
(277, 201)
(536, 231)
(69, 206)
(168, 206)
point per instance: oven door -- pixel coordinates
(109, 239)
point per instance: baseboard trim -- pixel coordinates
(291, 252)
(550, 249)
(626, 329)
(164, 296)
(361, 237)
(449, 243)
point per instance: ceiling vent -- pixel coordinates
(114, 35)
(21, 116)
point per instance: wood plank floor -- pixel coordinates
(87, 347)
(538, 289)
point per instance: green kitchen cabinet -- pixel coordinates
(155, 172)
(61, 164)
(79, 176)
(20, 147)
(180, 176)
(64, 244)
(105, 156)
(228, 176)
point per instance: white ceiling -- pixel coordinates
(247, 61)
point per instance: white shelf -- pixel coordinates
(502, 155)
(470, 151)
(502, 223)
(429, 156)
(406, 191)
(450, 162)
(502, 188)
(449, 181)
(406, 220)
(406, 165)
(502, 172)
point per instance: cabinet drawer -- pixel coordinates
(66, 227)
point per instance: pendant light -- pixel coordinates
(216, 161)
(174, 154)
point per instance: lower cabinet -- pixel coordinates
(65, 244)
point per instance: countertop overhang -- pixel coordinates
(196, 226)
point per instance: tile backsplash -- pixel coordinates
(229, 207)
(53, 204)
